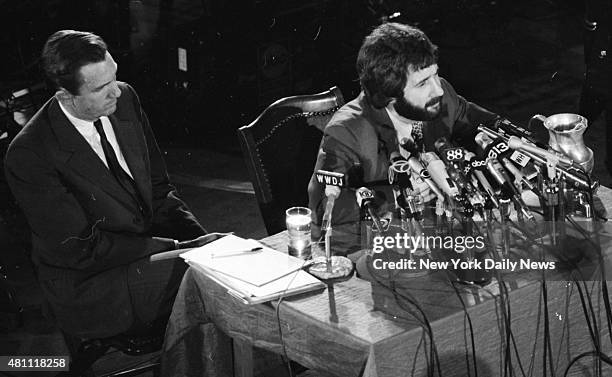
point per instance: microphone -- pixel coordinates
(475, 166)
(409, 146)
(519, 177)
(333, 183)
(454, 158)
(508, 190)
(577, 177)
(325, 177)
(516, 143)
(400, 170)
(332, 193)
(499, 149)
(365, 200)
(419, 169)
(508, 128)
(439, 175)
(330, 267)
(408, 202)
(399, 177)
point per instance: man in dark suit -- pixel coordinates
(90, 178)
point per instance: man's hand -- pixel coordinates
(184, 246)
(202, 240)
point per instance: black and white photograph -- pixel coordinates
(315, 188)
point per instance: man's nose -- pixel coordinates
(115, 91)
(437, 89)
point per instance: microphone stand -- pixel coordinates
(551, 191)
(328, 256)
(439, 213)
(330, 267)
(450, 219)
(415, 203)
(504, 214)
(489, 225)
(366, 224)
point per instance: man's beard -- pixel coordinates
(412, 112)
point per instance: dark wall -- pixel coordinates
(242, 55)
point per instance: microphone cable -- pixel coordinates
(589, 312)
(423, 320)
(494, 296)
(604, 282)
(547, 346)
(600, 355)
(591, 200)
(507, 321)
(278, 320)
(506, 318)
(467, 317)
(594, 331)
(433, 351)
(596, 245)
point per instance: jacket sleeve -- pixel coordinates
(339, 152)
(63, 233)
(171, 216)
(466, 117)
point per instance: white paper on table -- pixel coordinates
(294, 283)
(255, 268)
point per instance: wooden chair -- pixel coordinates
(280, 148)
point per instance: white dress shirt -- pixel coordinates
(88, 131)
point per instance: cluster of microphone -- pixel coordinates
(494, 176)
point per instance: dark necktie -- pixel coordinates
(122, 177)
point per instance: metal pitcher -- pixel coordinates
(565, 136)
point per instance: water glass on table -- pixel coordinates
(298, 226)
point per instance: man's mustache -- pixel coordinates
(434, 101)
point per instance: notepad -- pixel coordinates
(252, 277)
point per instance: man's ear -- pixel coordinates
(64, 96)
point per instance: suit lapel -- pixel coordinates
(81, 158)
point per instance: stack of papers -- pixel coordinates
(252, 276)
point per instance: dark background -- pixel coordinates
(242, 55)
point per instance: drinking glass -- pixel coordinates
(298, 226)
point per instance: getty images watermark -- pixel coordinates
(465, 247)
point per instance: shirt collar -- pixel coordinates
(403, 126)
(84, 126)
(398, 120)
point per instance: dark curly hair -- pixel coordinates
(65, 52)
(385, 57)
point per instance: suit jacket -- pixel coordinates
(86, 229)
(360, 135)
